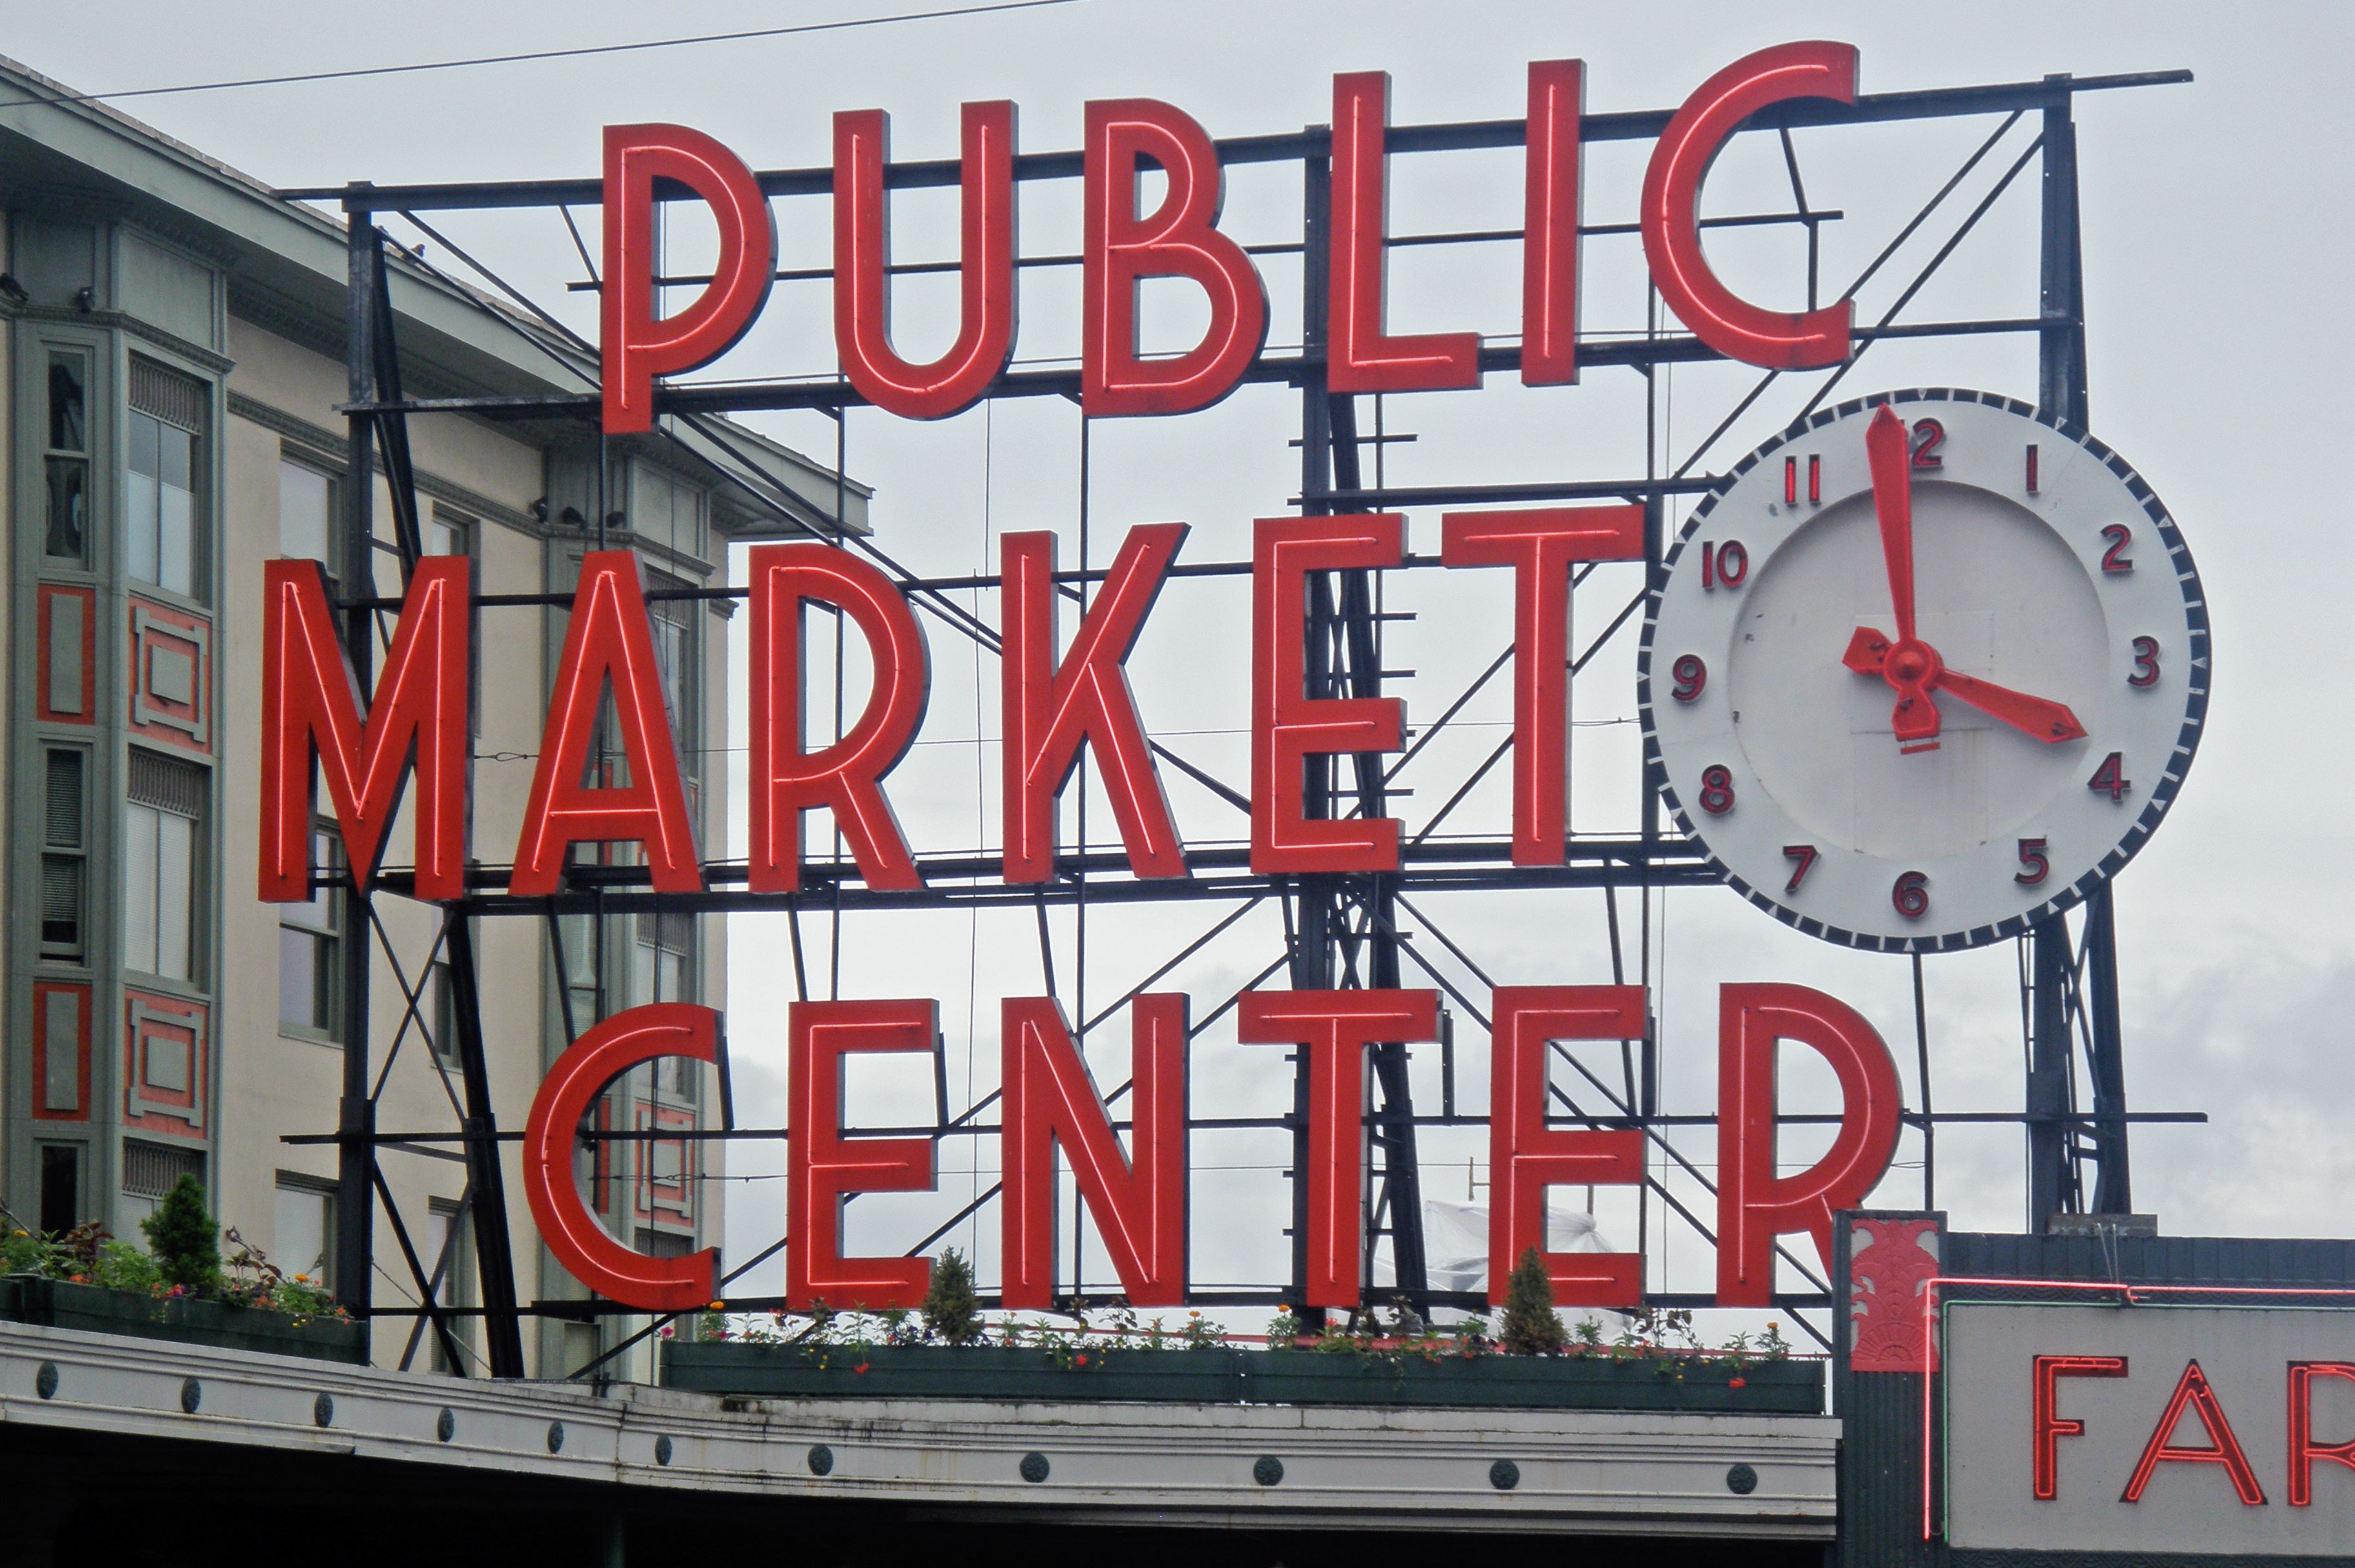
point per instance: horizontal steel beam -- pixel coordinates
(1933, 103)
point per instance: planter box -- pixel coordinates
(1538, 1383)
(61, 1304)
(1240, 1377)
(944, 1371)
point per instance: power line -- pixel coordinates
(563, 54)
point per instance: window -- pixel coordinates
(65, 847)
(441, 533)
(150, 1171)
(304, 1240)
(67, 459)
(160, 882)
(672, 624)
(306, 514)
(161, 541)
(61, 1188)
(447, 1248)
(659, 961)
(310, 951)
(578, 934)
(440, 1011)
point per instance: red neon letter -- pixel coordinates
(2193, 1390)
(553, 1186)
(2303, 1449)
(637, 347)
(1335, 1028)
(1360, 356)
(1671, 212)
(1051, 712)
(607, 640)
(2049, 1424)
(846, 776)
(1288, 726)
(310, 698)
(1181, 240)
(1525, 1157)
(1753, 1204)
(1541, 546)
(1549, 226)
(1051, 1098)
(822, 1168)
(862, 256)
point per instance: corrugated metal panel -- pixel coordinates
(1881, 1471)
(2155, 1260)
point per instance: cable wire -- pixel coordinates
(834, 26)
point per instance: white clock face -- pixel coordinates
(1942, 785)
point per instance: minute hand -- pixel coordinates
(2047, 721)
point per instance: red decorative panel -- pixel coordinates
(171, 675)
(60, 1086)
(666, 1175)
(65, 682)
(1890, 1263)
(167, 1065)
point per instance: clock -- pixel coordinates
(1929, 669)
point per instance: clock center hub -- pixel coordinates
(1913, 662)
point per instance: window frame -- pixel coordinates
(198, 886)
(76, 953)
(292, 454)
(296, 1181)
(203, 469)
(327, 859)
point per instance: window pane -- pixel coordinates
(178, 457)
(68, 502)
(297, 977)
(305, 500)
(175, 880)
(146, 445)
(305, 1231)
(67, 426)
(139, 888)
(444, 538)
(176, 540)
(139, 527)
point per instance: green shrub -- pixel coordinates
(1531, 1327)
(186, 1238)
(951, 1314)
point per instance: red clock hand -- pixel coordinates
(1911, 666)
(1870, 653)
(2048, 722)
(1892, 503)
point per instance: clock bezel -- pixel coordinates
(2198, 675)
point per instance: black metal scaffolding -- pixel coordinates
(1341, 930)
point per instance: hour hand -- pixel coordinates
(2048, 722)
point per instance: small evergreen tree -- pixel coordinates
(949, 1315)
(184, 1238)
(1531, 1327)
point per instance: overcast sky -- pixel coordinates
(2216, 238)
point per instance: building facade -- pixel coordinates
(175, 336)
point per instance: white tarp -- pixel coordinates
(1455, 1241)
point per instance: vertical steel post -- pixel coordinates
(1311, 952)
(2112, 1188)
(2051, 1174)
(2061, 391)
(494, 1250)
(356, 1115)
(1344, 654)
